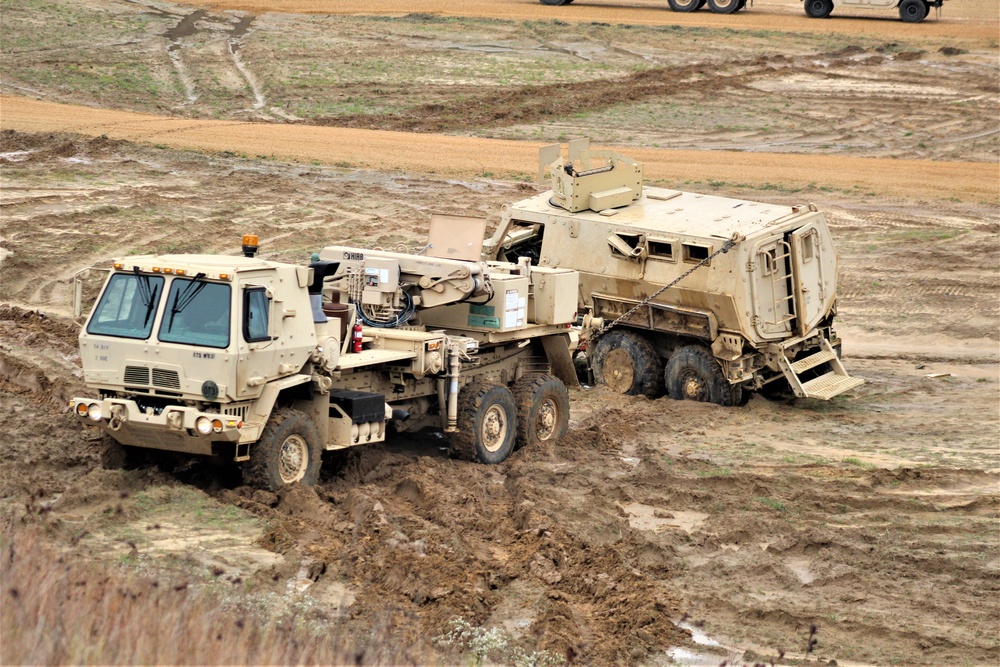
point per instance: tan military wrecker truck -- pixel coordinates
(707, 297)
(257, 362)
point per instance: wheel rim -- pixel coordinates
(548, 417)
(494, 428)
(293, 459)
(619, 374)
(694, 387)
(725, 4)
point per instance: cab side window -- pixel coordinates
(256, 309)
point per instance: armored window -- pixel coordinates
(627, 245)
(695, 253)
(809, 246)
(662, 249)
(256, 309)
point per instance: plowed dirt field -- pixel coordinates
(658, 532)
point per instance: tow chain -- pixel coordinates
(736, 238)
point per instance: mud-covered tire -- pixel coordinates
(487, 423)
(685, 5)
(116, 456)
(628, 364)
(724, 6)
(818, 9)
(289, 451)
(542, 409)
(693, 374)
(913, 11)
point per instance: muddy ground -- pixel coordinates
(658, 532)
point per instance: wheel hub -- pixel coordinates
(618, 371)
(293, 458)
(545, 425)
(694, 388)
(494, 428)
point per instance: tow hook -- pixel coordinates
(117, 417)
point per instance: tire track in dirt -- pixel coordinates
(969, 20)
(468, 156)
(187, 26)
(526, 105)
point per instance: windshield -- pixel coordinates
(127, 307)
(197, 313)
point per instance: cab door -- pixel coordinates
(809, 282)
(258, 349)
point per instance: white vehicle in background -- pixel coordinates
(910, 11)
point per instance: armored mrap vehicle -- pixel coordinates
(260, 363)
(708, 297)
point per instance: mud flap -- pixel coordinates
(560, 360)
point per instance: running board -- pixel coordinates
(824, 387)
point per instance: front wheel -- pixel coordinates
(116, 456)
(913, 11)
(693, 374)
(487, 423)
(628, 364)
(685, 5)
(819, 9)
(724, 6)
(542, 409)
(288, 452)
(555, 3)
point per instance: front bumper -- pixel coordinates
(173, 428)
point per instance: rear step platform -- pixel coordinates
(824, 387)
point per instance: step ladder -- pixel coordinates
(824, 387)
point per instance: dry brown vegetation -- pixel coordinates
(58, 609)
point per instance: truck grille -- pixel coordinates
(136, 375)
(167, 379)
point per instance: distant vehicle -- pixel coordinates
(717, 6)
(910, 11)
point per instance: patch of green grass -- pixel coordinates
(776, 505)
(854, 461)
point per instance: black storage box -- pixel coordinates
(360, 406)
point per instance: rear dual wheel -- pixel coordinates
(487, 423)
(542, 409)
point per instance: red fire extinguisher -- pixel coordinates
(356, 337)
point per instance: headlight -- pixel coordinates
(203, 425)
(94, 412)
(81, 409)
(217, 425)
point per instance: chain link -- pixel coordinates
(724, 249)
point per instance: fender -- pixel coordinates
(262, 407)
